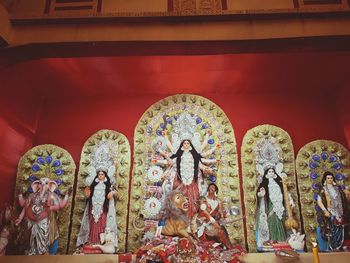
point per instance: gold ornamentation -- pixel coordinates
(307, 154)
(191, 6)
(68, 166)
(250, 183)
(122, 160)
(227, 173)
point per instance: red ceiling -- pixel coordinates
(236, 73)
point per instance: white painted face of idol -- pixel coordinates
(101, 176)
(271, 173)
(329, 179)
(186, 145)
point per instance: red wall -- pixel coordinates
(69, 123)
(19, 114)
(344, 110)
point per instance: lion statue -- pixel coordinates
(175, 215)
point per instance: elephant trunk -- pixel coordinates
(43, 191)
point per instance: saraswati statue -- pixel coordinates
(274, 203)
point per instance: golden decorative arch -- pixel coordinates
(119, 152)
(312, 161)
(56, 164)
(161, 116)
(282, 144)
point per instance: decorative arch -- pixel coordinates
(262, 146)
(312, 161)
(145, 188)
(117, 147)
(56, 164)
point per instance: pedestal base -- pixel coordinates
(338, 257)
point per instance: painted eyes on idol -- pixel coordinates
(186, 144)
(329, 179)
(101, 176)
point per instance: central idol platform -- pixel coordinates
(341, 257)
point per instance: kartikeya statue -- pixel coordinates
(333, 214)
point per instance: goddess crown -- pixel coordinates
(185, 126)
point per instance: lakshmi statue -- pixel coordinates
(99, 213)
(99, 208)
(186, 166)
(333, 214)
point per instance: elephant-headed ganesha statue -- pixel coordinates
(39, 209)
(44, 172)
